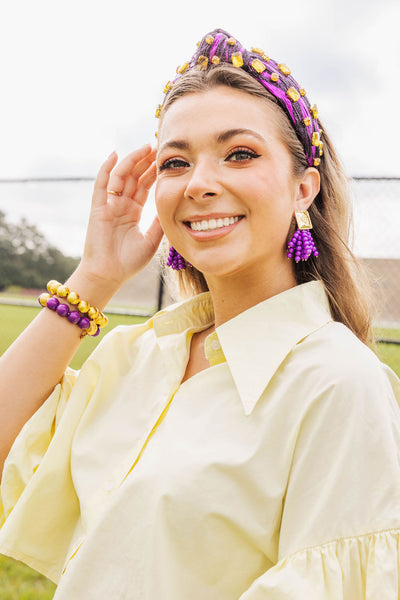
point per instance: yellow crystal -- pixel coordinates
(315, 139)
(237, 59)
(307, 121)
(231, 41)
(303, 92)
(314, 111)
(215, 60)
(293, 94)
(274, 77)
(158, 111)
(202, 63)
(168, 87)
(317, 162)
(209, 39)
(284, 69)
(265, 57)
(258, 65)
(183, 68)
(257, 51)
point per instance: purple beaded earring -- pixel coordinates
(176, 261)
(302, 245)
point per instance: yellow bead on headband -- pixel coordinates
(219, 46)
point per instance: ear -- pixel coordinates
(308, 188)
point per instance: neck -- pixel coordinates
(236, 293)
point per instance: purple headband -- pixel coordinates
(219, 47)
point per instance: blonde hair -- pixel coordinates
(331, 211)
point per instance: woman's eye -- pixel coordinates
(173, 163)
(242, 155)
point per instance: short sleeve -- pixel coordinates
(31, 444)
(340, 526)
(39, 508)
(357, 568)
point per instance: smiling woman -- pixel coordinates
(244, 442)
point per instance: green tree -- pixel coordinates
(26, 257)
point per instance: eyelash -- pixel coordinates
(168, 163)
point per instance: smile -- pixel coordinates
(212, 224)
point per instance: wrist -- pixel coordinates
(96, 290)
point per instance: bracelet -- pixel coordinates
(87, 317)
(73, 316)
(62, 291)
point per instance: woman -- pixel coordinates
(243, 443)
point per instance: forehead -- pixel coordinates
(220, 108)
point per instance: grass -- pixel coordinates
(14, 319)
(20, 582)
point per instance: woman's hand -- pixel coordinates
(115, 248)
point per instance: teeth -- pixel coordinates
(213, 224)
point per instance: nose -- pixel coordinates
(203, 183)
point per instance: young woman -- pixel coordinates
(245, 442)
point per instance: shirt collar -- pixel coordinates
(256, 341)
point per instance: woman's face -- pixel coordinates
(225, 192)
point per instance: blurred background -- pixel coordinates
(82, 78)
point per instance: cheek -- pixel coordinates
(165, 206)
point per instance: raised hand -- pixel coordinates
(115, 248)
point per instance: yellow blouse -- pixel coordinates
(272, 475)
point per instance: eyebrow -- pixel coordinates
(222, 137)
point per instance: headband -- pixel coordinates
(220, 47)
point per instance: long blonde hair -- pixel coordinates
(331, 211)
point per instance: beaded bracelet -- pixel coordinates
(62, 291)
(90, 321)
(73, 316)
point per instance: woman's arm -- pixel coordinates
(115, 250)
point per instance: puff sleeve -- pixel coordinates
(38, 503)
(340, 528)
(31, 444)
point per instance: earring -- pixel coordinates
(302, 245)
(176, 261)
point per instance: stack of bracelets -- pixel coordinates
(88, 318)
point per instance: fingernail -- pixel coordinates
(112, 154)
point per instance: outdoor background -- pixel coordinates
(83, 78)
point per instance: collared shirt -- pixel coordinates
(273, 474)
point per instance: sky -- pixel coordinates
(82, 78)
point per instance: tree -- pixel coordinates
(27, 259)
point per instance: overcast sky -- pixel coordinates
(83, 77)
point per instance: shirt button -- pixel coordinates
(109, 486)
(215, 345)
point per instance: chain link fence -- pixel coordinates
(60, 208)
(377, 241)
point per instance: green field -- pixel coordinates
(19, 582)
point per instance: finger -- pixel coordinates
(126, 166)
(155, 233)
(102, 179)
(145, 183)
(132, 181)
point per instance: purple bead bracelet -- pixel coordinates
(63, 310)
